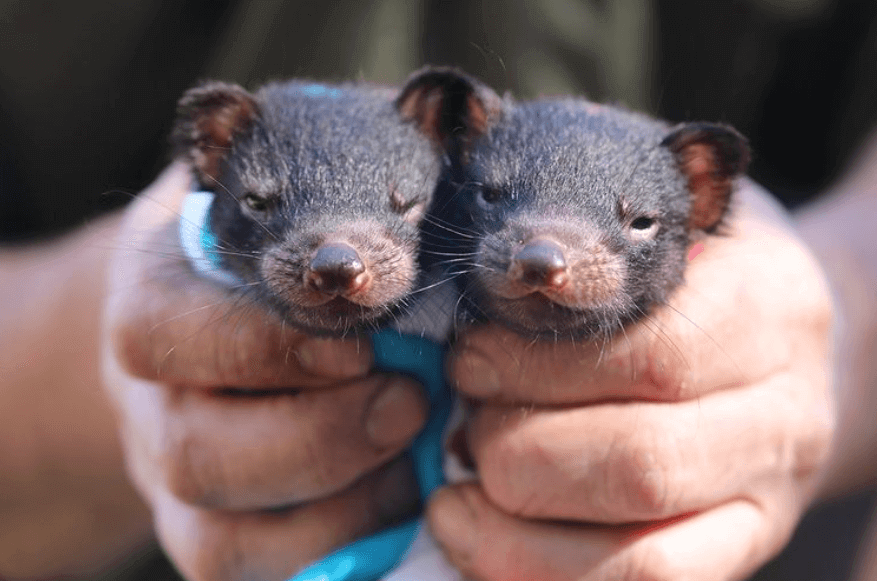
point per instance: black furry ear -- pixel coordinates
(710, 156)
(208, 118)
(448, 106)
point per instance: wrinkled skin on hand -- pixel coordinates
(685, 448)
(259, 449)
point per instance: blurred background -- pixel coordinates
(88, 92)
(88, 88)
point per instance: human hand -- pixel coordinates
(839, 229)
(685, 448)
(259, 449)
(67, 507)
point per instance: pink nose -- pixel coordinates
(336, 268)
(540, 264)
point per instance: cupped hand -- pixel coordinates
(686, 447)
(258, 448)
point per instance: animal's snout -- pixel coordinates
(540, 263)
(337, 269)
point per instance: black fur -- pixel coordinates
(593, 178)
(312, 163)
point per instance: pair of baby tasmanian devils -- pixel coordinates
(336, 204)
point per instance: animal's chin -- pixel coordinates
(537, 315)
(338, 316)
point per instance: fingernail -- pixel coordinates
(479, 376)
(454, 524)
(396, 414)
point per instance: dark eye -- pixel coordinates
(642, 223)
(642, 229)
(491, 195)
(255, 202)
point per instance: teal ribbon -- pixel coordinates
(371, 558)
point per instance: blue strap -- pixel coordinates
(371, 558)
(368, 559)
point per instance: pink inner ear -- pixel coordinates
(478, 117)
(447, 105)
(423, 105)
(710, 190)
(217, 130)
(211, 116)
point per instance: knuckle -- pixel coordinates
(822, 314)
(133, 349)
(639, 478)
(815, 444)
(503, 468)
(812, 304)
(815, 313)
(215, 557)
(191, 472)
(666, 371)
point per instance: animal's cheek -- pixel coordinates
(393, 276)
(597, 281)
(496, 283)
(284, 273)
(488, 269)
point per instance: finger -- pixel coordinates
(159, 204)
(643, 461)
(203, 337)
(697, 343)
(208, 545)
(257, 452)
(724, 543)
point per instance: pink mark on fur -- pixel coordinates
(695, 250)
